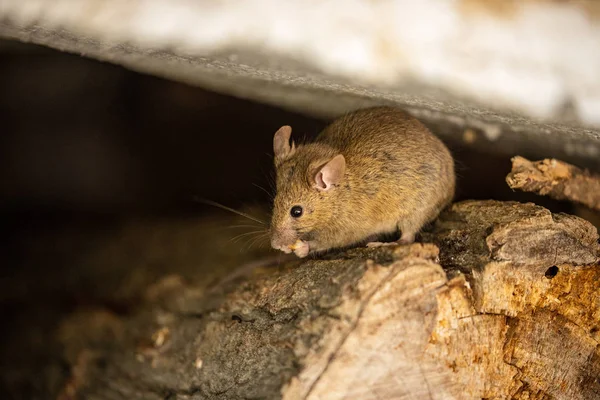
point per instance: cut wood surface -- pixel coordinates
(501, 300)
(555, 179)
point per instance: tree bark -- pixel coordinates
(555, 179)
(501, 301)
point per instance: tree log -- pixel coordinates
(555, 179)
(501, 300)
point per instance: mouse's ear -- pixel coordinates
(330, 174)
(281, 144)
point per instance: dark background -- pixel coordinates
(85, 136)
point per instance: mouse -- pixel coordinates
(370, 172)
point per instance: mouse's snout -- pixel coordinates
(297, 246)
(283, 239)
(287, 240)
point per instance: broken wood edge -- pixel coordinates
(555, 179)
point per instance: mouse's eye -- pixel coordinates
(296, 211)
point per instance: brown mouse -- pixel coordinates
(368, 173)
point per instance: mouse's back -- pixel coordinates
(372, 130)
(393, 163)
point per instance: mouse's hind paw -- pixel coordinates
(382, 244)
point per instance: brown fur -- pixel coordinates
(398, 175)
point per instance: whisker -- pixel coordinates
(264, 190)
(240, 226)
(249, 243)
(245, 234)
(221, 206)
(257, 239)
(272, 179)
